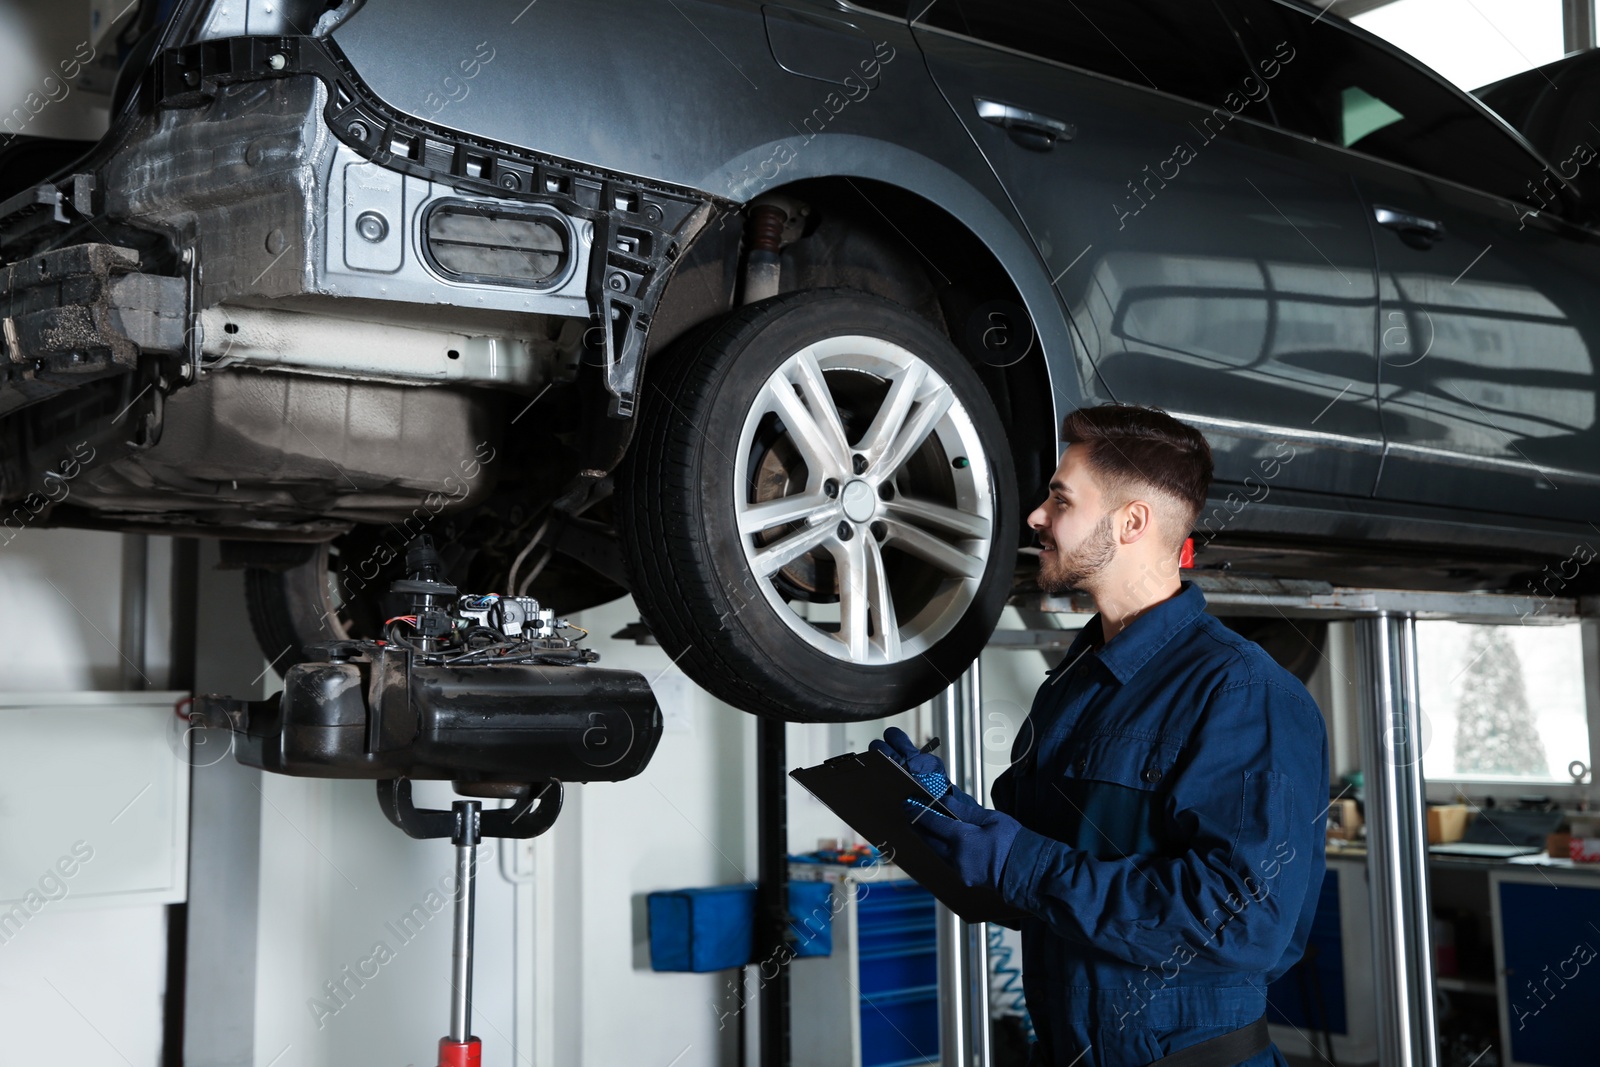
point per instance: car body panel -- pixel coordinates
(1250, 331)
(1489, 359)
(566, 77)
(891, 127)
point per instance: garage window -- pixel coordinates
(1502, 702)
(1364, 113)
(1472, 44)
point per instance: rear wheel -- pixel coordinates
(1296, 644)
(819, 510)
(307, 602)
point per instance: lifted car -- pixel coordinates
(767, 314)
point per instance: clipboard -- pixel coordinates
(869, 791)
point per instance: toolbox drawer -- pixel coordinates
(898, 975)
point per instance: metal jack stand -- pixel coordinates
(466, 824)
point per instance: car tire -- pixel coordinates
(296, 605)
(1295, 644)
(767, 556)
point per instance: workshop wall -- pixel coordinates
(66, 585)
(353, 944)
(43, 52)
(80, 982)
(688, 820)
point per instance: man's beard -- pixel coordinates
(1089, 557)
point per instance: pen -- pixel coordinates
(933, 743)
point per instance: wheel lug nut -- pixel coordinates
(846, 531)
(831, 488)
(880, 531)
(859, 462)
(886, 491)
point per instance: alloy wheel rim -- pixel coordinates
(861, 481)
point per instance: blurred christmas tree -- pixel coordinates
(1496, 733)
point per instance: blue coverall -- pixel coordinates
(1172, 788)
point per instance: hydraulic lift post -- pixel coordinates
(963, 947)
(1397, 838)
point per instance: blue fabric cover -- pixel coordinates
(713, 928)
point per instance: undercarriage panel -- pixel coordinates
(248, 450)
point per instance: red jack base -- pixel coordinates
(468, 1053)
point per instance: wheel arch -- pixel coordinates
(945, 235)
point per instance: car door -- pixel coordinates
(1212, 265)
(1489, 317)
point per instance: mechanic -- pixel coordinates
(1161, 825)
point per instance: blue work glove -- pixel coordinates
(976, 842)
(925, 767)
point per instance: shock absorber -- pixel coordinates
(763, 270)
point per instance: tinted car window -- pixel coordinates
(1183, 48)
(1338, 87)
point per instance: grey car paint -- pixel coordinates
(1245, 297)
(737, 125)
(1247, 330)
(1267, 340)
(1488, 363)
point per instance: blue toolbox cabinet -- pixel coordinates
(1547, 944)
(899, 976)
(875, 1001)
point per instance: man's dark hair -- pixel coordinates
(1131, 447)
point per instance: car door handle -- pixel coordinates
(1028, 128)
(1414, 230)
